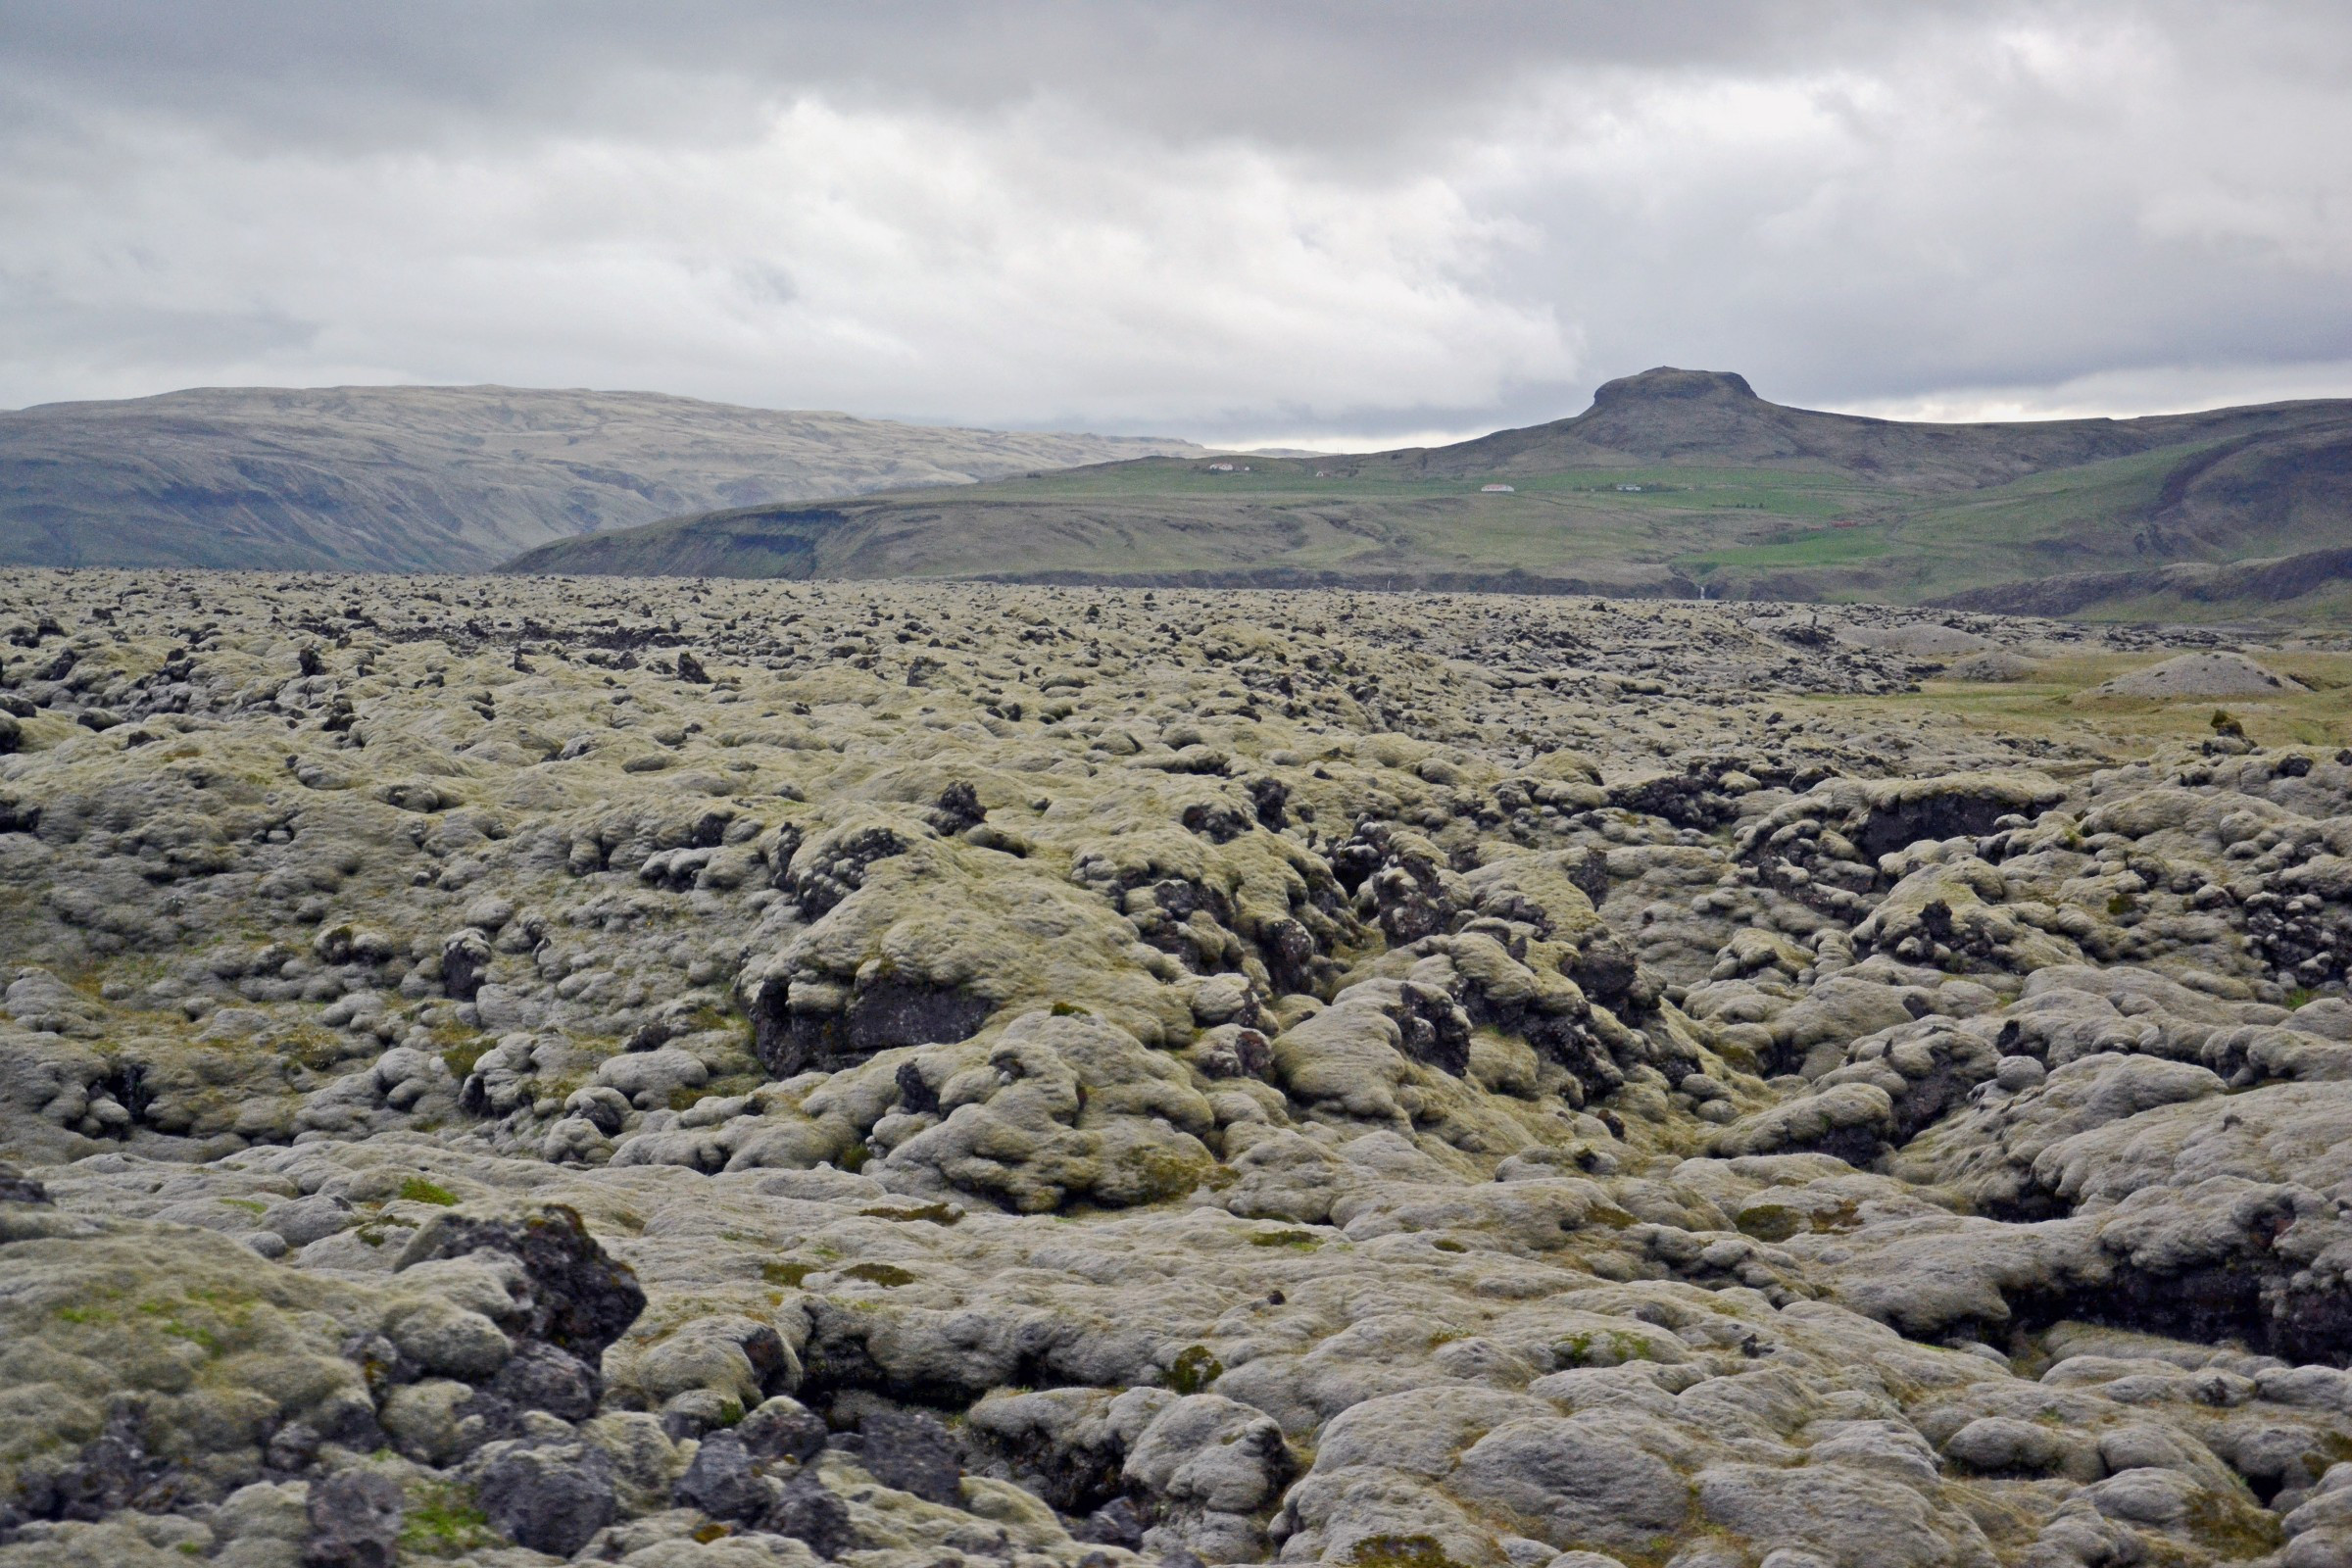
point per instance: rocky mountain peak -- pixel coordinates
(1666, 383)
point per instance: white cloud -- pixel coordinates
(1327, 226)
(2120, 394)
(1030, 267)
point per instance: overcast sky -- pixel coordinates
(1346, 223)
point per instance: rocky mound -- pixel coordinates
(2000, 665)
(692, 1076)
(1921, 640)
(2212, 674)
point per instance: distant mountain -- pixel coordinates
(1713, 418)
(1675, 482)
(442, 478)
(2317, 581)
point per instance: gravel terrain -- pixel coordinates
(702, 1075)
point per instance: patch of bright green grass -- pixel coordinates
(1814, 547)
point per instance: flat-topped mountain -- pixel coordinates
(1674, 482)
(442, 478)
(1713, 417)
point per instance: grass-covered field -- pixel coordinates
(2060, 701)
(1304, 480)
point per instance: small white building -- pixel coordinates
(1498, 489)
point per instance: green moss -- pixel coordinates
(2236, 1529)
(443, 1520)
(787, 1273)
(1163, 1172)
(885, 1275)
(460, 1052)
(1305, 1240)
(100, 1303)
(1402, 1551)
(1443, 1245)
(245, 1204)
(319, 1050)
(195, 1333)
(417, 1189)
(1612, 1348)
(1193, 1369)
(1769, 1222)
(929, 1213)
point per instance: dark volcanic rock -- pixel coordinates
(355, 1519)
(549, 1500)
(580, 1298)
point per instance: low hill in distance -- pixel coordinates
(1677, 483)
(443, 479)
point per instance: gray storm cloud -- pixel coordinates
(1306, 222)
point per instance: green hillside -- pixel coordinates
(1676, 483)
(441, 479)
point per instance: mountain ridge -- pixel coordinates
(1718, 414)
(1673, 483)
(442, 478)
